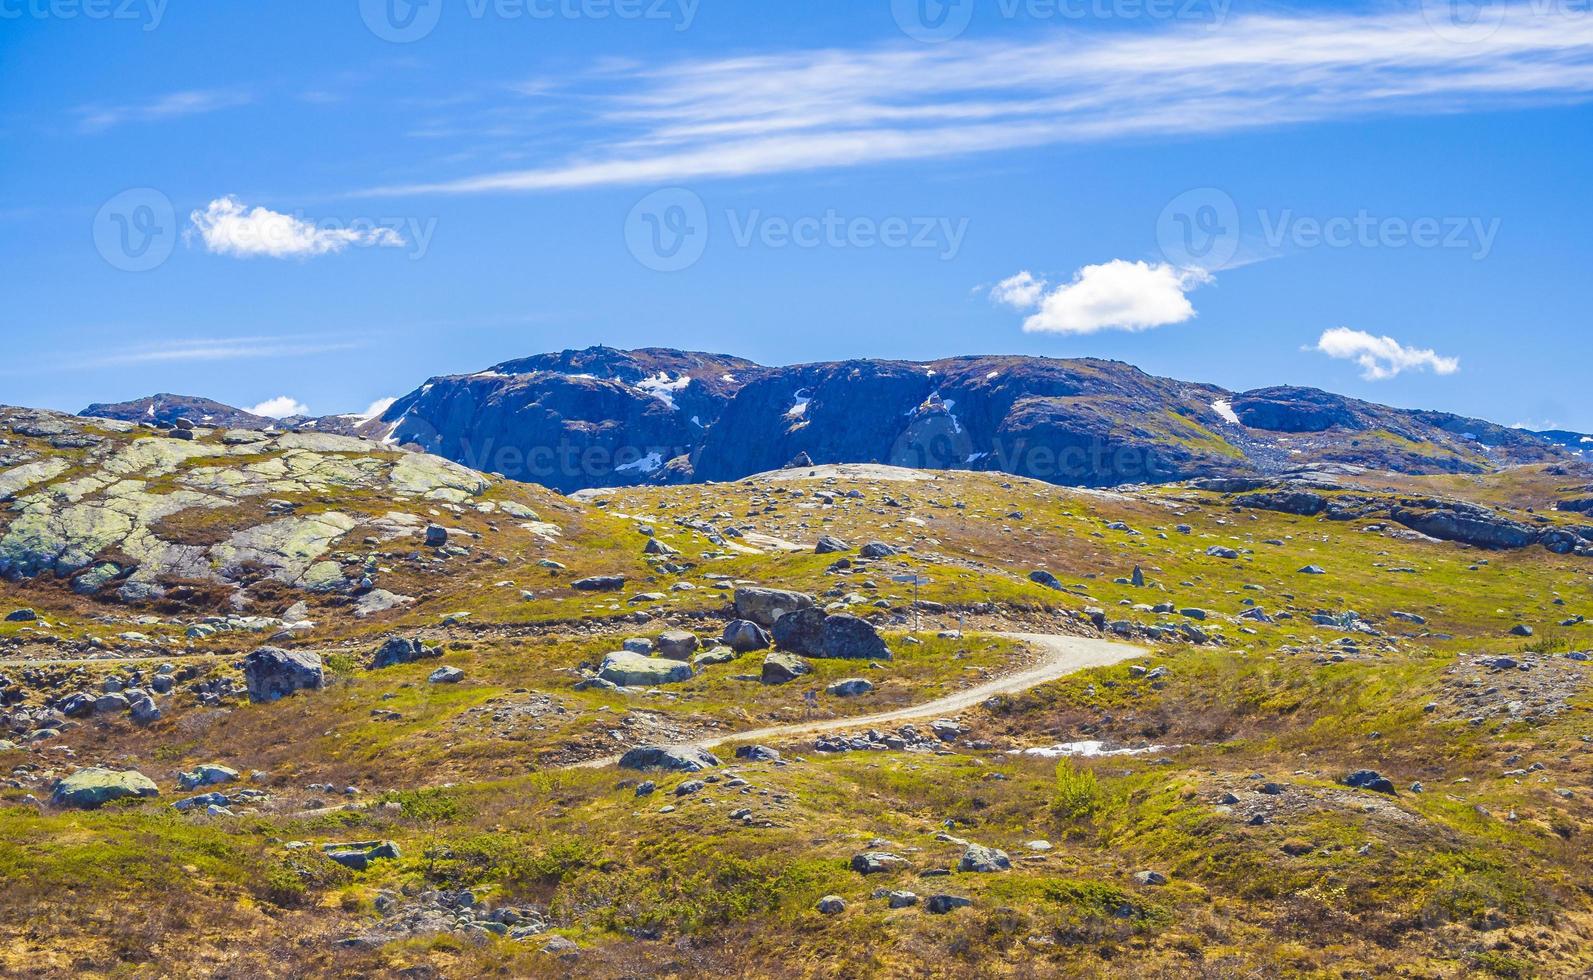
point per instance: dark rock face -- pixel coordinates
(801, 631)
(273, 674)
(849, 638)
(1302, 502)
(1466, 523)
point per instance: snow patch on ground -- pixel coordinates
(662, 388)
(1225, 409)
(651, 463)
(1090, 749)
(800, 407)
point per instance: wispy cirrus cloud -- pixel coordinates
(822, 108)
(97, 118)
(221, 349)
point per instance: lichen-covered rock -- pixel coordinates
(91, 788)
(765, 606)
(634, 670)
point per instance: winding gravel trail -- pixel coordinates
(1062, 655)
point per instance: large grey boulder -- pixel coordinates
(668, 758)
(801, 631)
(88, 789)
(398, 650)
(849, 638)
(677, 644)
(779, 668)
(273, 673)
(634, 670)
(830, 545)
(765, 606)
(745, 636)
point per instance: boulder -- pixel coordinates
(360, 855)
(1149, 878)
(829, 545)
(668, 758)
(877, 862)
(849, 687)
(88, 789)
(657, 547)
(634, 670)
(1045, 578)
(745, 636)
(850, 638)
(1301, 502)
(599, 583)
(1218, 551)
(446, 675)
(677, 644)
(143, 710)
(1370, 779)
(22, 616)
(801, 631)
(401, 651)
(757, 753)
(876, 549)
(779, 668)
(942, 904)
(209, 774)
(765, 606)
(272, 673)
(436, 536)
(831, 904)
(978, 858)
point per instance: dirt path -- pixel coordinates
(1062, 655)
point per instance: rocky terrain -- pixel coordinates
(291, 703)
(602, 417)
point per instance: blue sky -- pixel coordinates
(327, 203)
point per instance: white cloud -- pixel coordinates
(836, 107)
(1381, 358)
(229, 228)
(280, 407)
(1115, 295)
(378, 407)
(1021, 291)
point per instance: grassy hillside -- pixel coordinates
(1241, 730)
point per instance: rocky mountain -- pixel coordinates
(602, 417)
(165, 411)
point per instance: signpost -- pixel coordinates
(915, 581)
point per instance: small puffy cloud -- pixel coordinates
(1021, 292)
(227, 227)
(1381, 358)
(280, 407)
(1115, 295)
(378, 407)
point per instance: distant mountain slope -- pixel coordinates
(605, 417)
(166, 409)
(602, 417)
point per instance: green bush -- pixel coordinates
(1078, 793)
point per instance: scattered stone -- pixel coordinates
(979, 858)
(446, 675)
(849, 687)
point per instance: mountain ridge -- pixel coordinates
(599, 416)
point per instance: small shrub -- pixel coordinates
(1078, 793)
